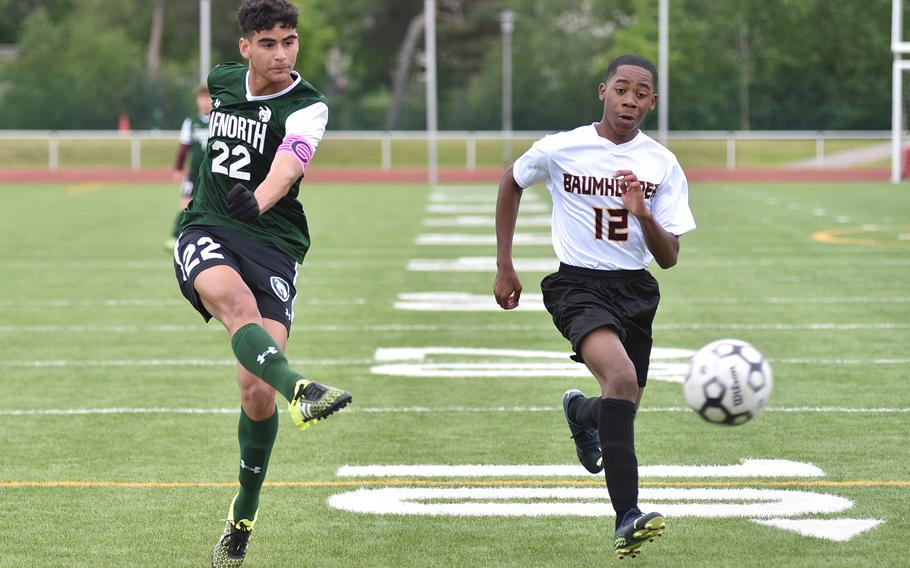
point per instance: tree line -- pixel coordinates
(733, 64)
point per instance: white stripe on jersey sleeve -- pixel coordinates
(532, 166)
(186, 132)
(309, 123)
(670, 206)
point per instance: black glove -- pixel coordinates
(241, 203)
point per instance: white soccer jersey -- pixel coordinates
(590, 226)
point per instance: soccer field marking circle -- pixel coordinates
(770, 507)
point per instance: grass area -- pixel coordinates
(334, 153)
(92, 319)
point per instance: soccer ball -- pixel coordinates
(729, 382)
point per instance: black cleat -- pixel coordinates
(587, 440)
(635, 529)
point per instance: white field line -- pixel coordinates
(69, 303)
(422, 410)
(550, 264)
(173, 363)
(484, 221)
(467, 302)
(792, 300)
(486, 264)
(445, 239)
(482, 208)
(461, 302)
(480, 264)
(150, 303)
(478, 197)
(30, 363)
(785, 326)
(819, 326)
(748, 468)
(464, 239)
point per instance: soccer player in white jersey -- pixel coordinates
(620, 200)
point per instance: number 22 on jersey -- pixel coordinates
(222, 153)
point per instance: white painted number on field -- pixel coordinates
(770, 507)
(586, 502)
(453, 362)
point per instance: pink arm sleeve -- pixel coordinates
(298, 147)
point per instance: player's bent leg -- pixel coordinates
(227, 297)
(607, 358)
(310, 401)
(587, 440)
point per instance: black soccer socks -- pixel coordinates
(617, 441)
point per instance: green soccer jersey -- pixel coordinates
(195, 133)
(244, 134)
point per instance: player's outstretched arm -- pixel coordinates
(507, 285)
(662, 244)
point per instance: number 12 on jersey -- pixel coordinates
(617, 224)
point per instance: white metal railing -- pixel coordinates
(386, 138)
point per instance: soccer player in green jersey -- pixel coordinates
(244, 233)
(194, 135)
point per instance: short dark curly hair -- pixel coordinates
(631, 59)
(257, 15)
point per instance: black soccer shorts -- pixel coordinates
(269, 273)
(582, 300)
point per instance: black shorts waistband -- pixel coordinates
(604, 274)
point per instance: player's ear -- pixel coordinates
(653, 101)
(244, 47)
(602, 91)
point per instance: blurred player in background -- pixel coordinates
(244, 233)
(620, 199)
(194, 134)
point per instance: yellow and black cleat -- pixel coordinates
(230, 550)
(636, 529)
(313, 401)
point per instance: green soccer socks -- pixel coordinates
(260, 355)
(256, 440)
